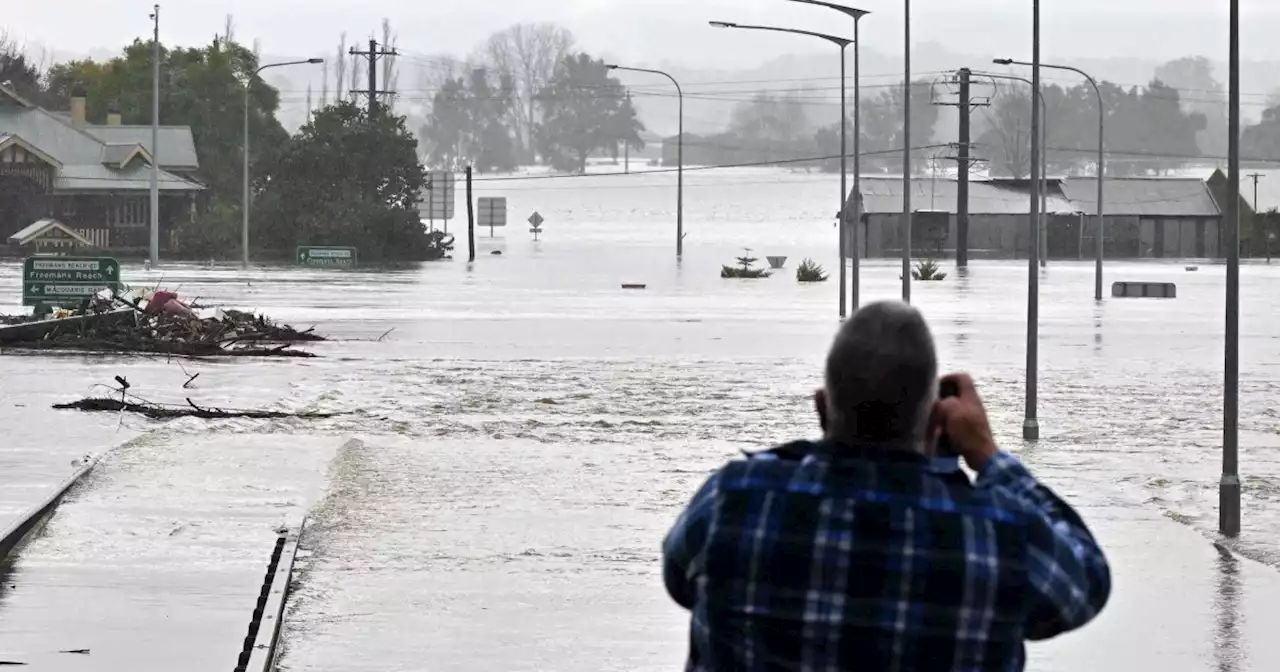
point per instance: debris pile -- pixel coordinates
(162, 324)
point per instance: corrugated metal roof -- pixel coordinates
(41, 227)
(80, 153)
(1144, 196)
(883, 195)
(114, 155)
(137, 177)
(177, 147)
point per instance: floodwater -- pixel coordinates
(519, 432)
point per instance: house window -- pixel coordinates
(130, 211)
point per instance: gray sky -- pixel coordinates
(658, 31)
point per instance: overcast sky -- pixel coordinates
(658, 31)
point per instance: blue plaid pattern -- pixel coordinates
(816, 557)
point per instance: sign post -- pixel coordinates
(67, 279)
(492, 212)
(536, 220)
(344, 257)
(437, 198)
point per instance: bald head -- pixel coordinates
(881, 377)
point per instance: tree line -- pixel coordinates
(527, 95)
(345, 178)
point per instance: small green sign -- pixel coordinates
(67, 279)
(327, 256)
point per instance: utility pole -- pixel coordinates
(155, 138)
(1266, 244)
(964, 156)
(373, 91)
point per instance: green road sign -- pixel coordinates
(67, 279)
(327, 256)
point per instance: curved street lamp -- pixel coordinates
(244, 206)
(679, 154)
(1102, 121)
(843, 43)
(856, 15)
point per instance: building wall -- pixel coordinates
(1069, 236)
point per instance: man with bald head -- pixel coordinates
(869, 549)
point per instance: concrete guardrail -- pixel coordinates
(12, 537)
(261, 645)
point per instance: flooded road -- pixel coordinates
(513, 449)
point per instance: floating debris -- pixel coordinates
(169, 412)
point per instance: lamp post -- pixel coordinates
(844, 188)
(679, 154)
(1102, 121)
(906, 153)
(856, 255)
(155, 139)
(244, 206)
(1229, 485)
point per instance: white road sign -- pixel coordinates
(437, 196)
(491, 211)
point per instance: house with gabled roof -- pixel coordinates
(94, 179)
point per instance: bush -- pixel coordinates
(927, 270)
(810, 271)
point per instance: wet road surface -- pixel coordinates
(517, 445)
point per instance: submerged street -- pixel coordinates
(508, 456)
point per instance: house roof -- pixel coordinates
(1145, 196)
(43, 226)
(883, 195)
(1268, 196)
(120, 155)
(81, 154)
(177, 147)
(7, 139)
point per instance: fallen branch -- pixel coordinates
(158, 412)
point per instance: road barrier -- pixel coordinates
(1144, 290)
(260, 644)
(13, 536)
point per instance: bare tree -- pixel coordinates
(340, 69)
(390, 74)
(529, 53)
(1007, 137)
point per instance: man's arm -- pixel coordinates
(1068, 576)
(683, 548)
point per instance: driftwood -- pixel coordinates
(159, 412)
(237, 334)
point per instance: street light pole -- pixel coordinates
(244, 204)
(679, 153)
(843, 43)
(856, 253)
(1102, 158)
(1229, 486)
(155, 139)
(906, 157)
(1031, 423)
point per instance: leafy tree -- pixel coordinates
(469, 123)
(201, 87)
(882, 127)
(584, 112)
(529, 53)
(344, 179)
(1006, 138)
(1207, 95)
(19, 70)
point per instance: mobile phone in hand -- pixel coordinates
(943, 448)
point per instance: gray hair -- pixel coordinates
(881, 376)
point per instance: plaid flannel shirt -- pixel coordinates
(817, 557)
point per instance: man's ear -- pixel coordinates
(820, 405)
